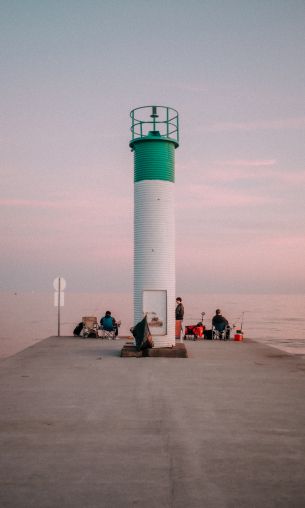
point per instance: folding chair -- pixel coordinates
(107, 334)
(221, 332)
(90, 326)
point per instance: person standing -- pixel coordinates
(179, 317)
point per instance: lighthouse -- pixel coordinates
(155, 136)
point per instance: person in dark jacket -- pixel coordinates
(179, 317)
(179, 309)
(219, 321)
(221, 324)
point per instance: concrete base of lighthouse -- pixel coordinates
(177, 351)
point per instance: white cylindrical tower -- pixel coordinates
(154, 139)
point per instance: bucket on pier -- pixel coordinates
(239, 336)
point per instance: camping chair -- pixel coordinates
(90, 326)
(110, 334)
(107, 334)
(221, 332)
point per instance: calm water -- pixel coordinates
(278, 320)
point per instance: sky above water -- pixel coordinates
(71, 71)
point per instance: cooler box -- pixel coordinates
(194, 331)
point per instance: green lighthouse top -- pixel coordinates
(154, 123)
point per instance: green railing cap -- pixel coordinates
(154, 122)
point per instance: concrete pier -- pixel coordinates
(82, 427)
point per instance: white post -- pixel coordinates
(58, 309)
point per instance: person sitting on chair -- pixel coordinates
(109, 324)
(221, 324)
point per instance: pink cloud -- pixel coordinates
(33, 203)
(222, 175)
(292, 177)
(289, 241)
(235, 169)
(244, 169)
(84, 200)
(287, 123)
(248, 258)
(247, 162)
(206, 196)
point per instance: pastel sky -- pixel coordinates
(71, 71)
